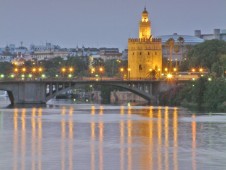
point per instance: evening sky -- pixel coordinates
(99, 23)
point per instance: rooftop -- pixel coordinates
(188, 39)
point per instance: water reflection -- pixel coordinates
(193, 127)
(142, 138)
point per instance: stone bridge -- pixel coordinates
(40, 91)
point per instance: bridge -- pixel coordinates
(40, 91)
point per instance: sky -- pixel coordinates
(103, 23)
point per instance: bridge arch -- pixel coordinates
(35, 91)
(147, 96)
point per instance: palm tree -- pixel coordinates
(181, 43)
(170, 44)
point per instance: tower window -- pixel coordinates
(140, 53)
(148, 53)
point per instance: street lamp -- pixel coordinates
(174, 69)
(101, 70)
(129, 69)
(71, 70)
(166, 69)
(92, 70)
(40, 69)
(63, 70)
(121, 71)
(24, 69)
(150, 73)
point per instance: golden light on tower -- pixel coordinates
(142, 49)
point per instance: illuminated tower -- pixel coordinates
(145, 52)
(145, 26)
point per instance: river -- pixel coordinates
(102, 137)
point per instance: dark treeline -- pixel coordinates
(208, 92)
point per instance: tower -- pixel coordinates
(145, 25)
(145, 52)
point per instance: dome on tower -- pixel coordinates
(145, 11)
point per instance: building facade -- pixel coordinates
(217, 34)
(145, 52)
(180, 48)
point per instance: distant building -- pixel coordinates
(145, 52)
(182, 49)
(6, 58)
(47, 55)
(79, 52)
(46, 47)
(217, 34)
(110, 54)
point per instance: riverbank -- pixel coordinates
(200, 95)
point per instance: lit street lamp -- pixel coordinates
(101, 70)
(129, 69)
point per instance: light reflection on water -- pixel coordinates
(115, 137)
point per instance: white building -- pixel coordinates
(217, 34)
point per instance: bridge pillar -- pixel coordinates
(25, 92)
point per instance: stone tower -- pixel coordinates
(145, 26)
(145, 52)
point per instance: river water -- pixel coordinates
(101, 137)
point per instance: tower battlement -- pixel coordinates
(144, 40)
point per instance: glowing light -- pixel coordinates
(101, 69)
(33, 69)
(71, 69)
(16, 70)
(63, 70)
(24, 69)
(70, 75)
(169, 76)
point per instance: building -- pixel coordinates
(145, 52)
(180, 48)
(47, 55)
(110, 54)
(217, 34)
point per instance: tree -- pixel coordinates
(207, 53)
(170, 44)
(181, 43)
